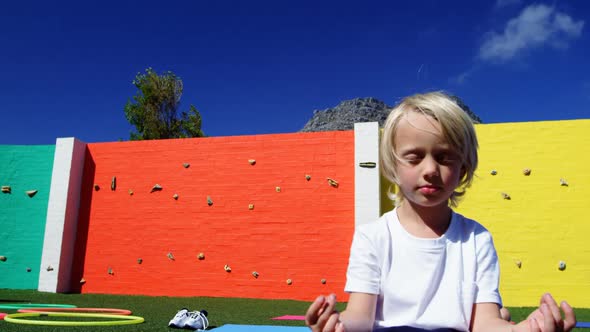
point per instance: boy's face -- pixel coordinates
(429, 169)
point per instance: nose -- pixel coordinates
(430, 167)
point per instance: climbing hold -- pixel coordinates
(96, 187)
(255, 274)
(28, 269)
(139, 261)
(323, 281)
(227, 268)
(526, 171)
(170, 256)
(6, 189)
(209, 201)
(368, 164)
(307, 177)
(201, 256)
(332, 182)
(506, 196)
(3, 258)
(494, 172)
(49, 268)
(518, 263)
(130, 192)
(252, 161)
(289, 281)
(31, 193)
(82, 281)
(186, 165)
(114, 183)
(251, 206)
(110, 271)
(561, 266)
(278, 189)
(563, 182)
(156, 187)
(175, 196)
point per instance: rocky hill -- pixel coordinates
(348, 112)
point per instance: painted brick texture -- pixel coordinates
(543, 222)
(301, 233)
(22, 218)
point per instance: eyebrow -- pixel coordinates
(446, 148)
(410, 150)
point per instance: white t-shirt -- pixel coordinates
(424, 283)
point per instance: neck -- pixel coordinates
(424, 221)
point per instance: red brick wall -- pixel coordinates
(301, 233)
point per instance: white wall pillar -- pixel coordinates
(62, 215)
(367, 202)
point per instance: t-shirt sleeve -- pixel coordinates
(488, 269)
(364, 270)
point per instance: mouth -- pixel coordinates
(428, 190)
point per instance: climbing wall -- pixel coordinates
(531, 191)
(256, 216)
(25, 178)
(268, 216)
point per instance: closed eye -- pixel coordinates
(447, 158)
(412, 159)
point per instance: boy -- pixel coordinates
(422, 266)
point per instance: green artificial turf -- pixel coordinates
(157, 311)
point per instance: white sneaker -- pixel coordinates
(197, 320)
(179, 319)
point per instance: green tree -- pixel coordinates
(154, 109)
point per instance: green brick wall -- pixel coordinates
(22, 218)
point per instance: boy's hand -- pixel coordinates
(547, 318)
(322, 315)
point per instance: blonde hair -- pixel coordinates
(457, 129)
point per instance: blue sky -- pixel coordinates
(258, 67)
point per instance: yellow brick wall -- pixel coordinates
(544, 222)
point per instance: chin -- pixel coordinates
(430, 202)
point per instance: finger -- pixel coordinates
(331, 323)
(322, 308)
(570, 317)
(340, 327)
(549, 323)
(330, 299)
(550, 301)
(537, 314)
(534, 325)
(327, 310)
(313, 312)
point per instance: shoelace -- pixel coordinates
(197, 315)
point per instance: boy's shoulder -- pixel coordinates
(467, 221)
(377, 228)
(462, 228)
(469, 227)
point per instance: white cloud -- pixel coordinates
(461, 78)
(465, 76)
(535, 27)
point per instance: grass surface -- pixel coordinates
(157, 311)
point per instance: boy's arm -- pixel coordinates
(360, 312)
(486, 317)
(359, 315)
(546, 318)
